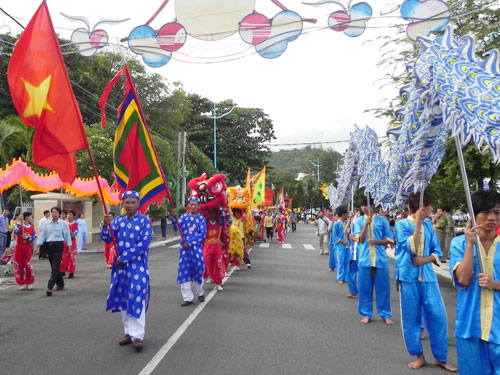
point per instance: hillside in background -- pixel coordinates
(296, 161)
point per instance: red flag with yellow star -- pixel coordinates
(42, 94)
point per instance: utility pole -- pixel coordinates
(215, 117)
(317, 166)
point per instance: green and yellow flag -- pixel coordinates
(258, 191)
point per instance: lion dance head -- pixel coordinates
(210, 190)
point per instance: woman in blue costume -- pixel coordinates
(372, 234)
(417, 247)
(191, 263)
(477, 325)
(129, 290)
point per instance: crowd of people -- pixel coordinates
(357, 244)
(61, 236)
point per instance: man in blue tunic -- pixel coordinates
(417, 248)
(352, 269)
(372, 233)
(477, 325)
(340, 246)
(129, 291)
(191, 263)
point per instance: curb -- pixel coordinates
(438, 270)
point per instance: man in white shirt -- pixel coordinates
(55, 233)
(41, 225)
(322, 223)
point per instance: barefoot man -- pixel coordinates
(417, 248)
(372, 234)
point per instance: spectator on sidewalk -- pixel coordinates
(82, 233)
(4, 225)
(41, 225)
(444, 226)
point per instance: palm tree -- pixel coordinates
(12, 141)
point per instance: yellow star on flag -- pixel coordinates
(38, 98)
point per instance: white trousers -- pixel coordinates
(187, 292)
(134, 327)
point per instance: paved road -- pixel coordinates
(284, 316)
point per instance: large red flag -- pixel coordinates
(42, 94)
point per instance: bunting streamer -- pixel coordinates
(18, 172)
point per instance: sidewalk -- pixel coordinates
(443, 271)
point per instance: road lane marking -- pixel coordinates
(286, 245)
(171, 247)
(308, 246)
(158, 357)
(264, 245)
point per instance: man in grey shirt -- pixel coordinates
(322, 223)
(55, 232)
(4, 223)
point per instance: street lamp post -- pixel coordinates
(317, 166)
(215, 117)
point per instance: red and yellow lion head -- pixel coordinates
(210, 190)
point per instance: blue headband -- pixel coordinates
(131, 194)
(194, 199)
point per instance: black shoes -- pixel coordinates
(63, 274)
(201, 298)
(187, 303)
(49, 292)
(71, 276)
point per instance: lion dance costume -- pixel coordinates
(212, 194)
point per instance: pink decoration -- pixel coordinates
(171, 37)
(255, 28)
(20, 173)
(339, 20)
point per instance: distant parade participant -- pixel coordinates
(372, 233)
(269, 226)
(23, 270)
(129, 291)
(237, 245)
(81, 242)
(191, 263)
(340, 244)
(41, 225)
(352, 269)
(212, 249)
(477, 325)
(54, 235)
(68, 262)
(417, 248)
(281, 226)
(109, 248)
(322, 224)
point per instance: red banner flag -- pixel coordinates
(42, 94)
(269, 197)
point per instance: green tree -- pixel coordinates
(240, 136)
